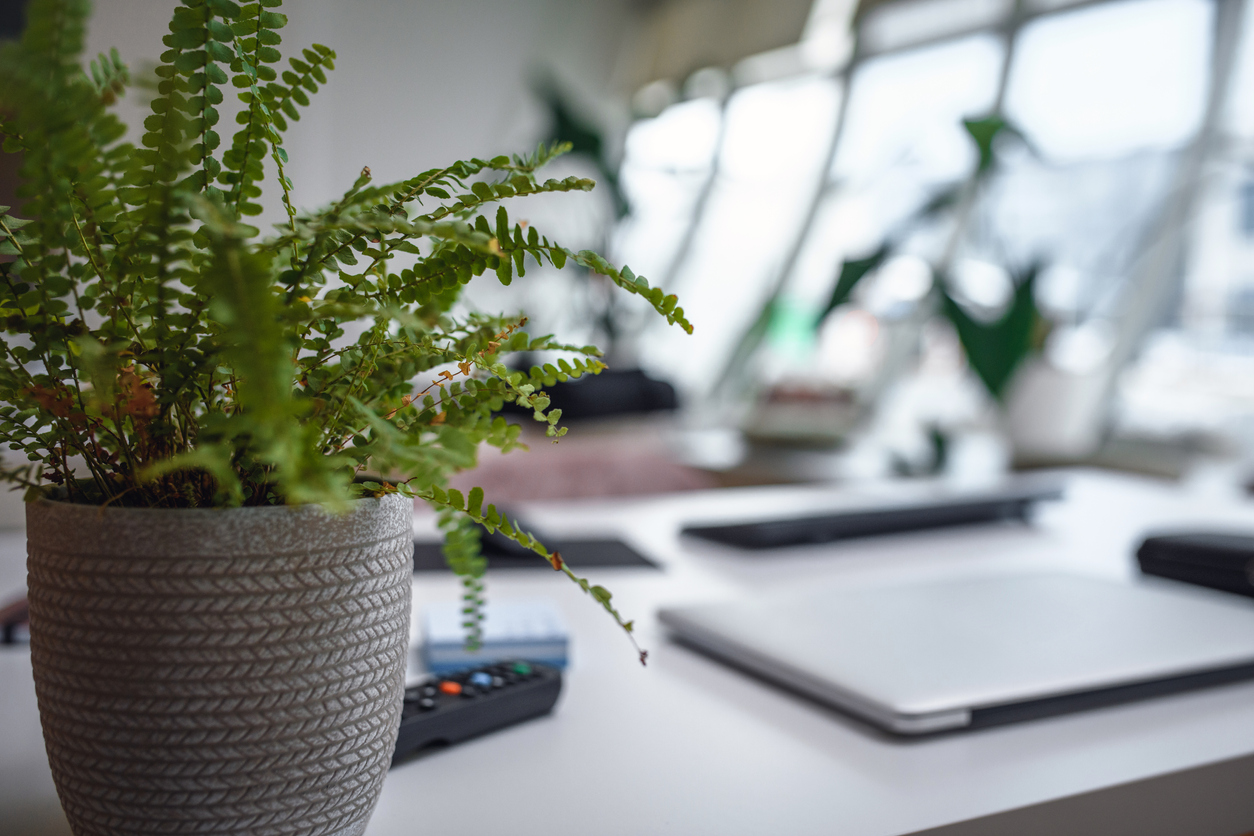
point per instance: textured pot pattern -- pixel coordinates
(219, 671)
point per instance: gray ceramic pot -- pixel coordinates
(219, 671)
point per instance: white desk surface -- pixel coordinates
(687, 746)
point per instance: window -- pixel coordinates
(1110, 100)
(1106, 81)
(770, 161)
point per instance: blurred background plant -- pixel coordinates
(1009, 222)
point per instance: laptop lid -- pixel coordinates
(945, 654)
(837, 515)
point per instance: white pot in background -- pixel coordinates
(1054, 414)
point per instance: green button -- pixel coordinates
(521, 668)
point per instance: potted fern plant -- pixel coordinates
(225, 430)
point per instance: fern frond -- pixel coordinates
(156, 351)
(256, 42)
(492, 520)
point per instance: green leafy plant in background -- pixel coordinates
(158, 351)
(995, 349)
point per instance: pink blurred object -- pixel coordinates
(589, 466)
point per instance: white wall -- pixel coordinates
(419, 83)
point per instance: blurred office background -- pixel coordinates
(917, 238)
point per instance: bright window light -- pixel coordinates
(843, 225)
(905, 278)
(666, 163)
(907, 110)
(983, 284)
(684, 136)
(661, 204)
(1092, 216)
(771, 161)
(1105, 81)
(1240, 110)
(903, 136)
(778, 130)
(904, 22)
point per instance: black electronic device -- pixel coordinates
(611, 393)
(1219, 560)
(503, 553)
(1011, 502)
(15, 622)
(454, 707)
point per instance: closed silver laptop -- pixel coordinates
(947, 654)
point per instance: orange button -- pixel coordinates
(450, 687)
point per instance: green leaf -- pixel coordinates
(984, 132)
(219, 52)
(995, 349)
(853, 271)
(474, 504)
(219, 31)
